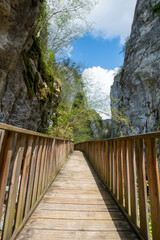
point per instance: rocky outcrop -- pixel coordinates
(137, 87)
(22, 102)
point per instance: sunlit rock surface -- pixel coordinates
(138, 87)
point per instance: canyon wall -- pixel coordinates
(24, 95)
(137, 87)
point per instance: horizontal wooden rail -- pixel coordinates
(128, 167)
(29, 162)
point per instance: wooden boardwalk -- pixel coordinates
(77, 207)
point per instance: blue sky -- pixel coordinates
(101, 52)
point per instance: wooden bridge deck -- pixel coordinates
(77, 206)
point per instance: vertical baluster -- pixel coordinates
(37, 171)
(45, 166)
(109, 165)
(115, 168)
(120, 169)
(5, 159)
(142, 189)
(51, 163)
(154, 186)
(31, 176)
(132, 179)
(112, 166)
(107, 162)
(126, 179)
(103, 162)
(24, 181)
(10, 211)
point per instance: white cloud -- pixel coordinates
(100, 81)
(113, 18)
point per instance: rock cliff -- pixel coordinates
(137, 87)
(25, 98)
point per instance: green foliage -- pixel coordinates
(47, 68)
(125, 46)
(74, 118)
(30, 80)
(119, 116)
(59, 22)
(43, 36)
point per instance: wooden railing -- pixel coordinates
(128, 167)
(29, 162)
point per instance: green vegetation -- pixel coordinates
(75, 118)
(125, 45)
(64, 21)
(119, 117)
(77, 114)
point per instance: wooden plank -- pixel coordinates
(5, 159)
(2, 134)
(103, 161)
(24, 181)
(46, 234)
(112, 165)
(126, 178)
(115, 169)
(142, 189)
(78, 215)
(120, 175)
(11, 128)
(132, 180)
(41, 169)
(75, 194)
(36, 178)
(78, 200)
(95, 157)
(48, 165)
(80, 225)
(52, 159)
(10, 211)
(79, 207)
(109, 166)
(154, 186)
(31, 176)
(45, 165)
(107, 162)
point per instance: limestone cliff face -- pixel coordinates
(138, 86)
(18, 106)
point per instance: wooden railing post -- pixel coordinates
(5, 159)
(120, 162)
(29, 162)
(126, 178)
(10, 211)
(154, 186)
(132, 180)
(142, 189)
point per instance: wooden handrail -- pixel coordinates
(29, 162)
(122, 163)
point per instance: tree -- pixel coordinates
(74, 117)
(65, 20)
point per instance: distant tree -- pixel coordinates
(65, 20)
(74, 116)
